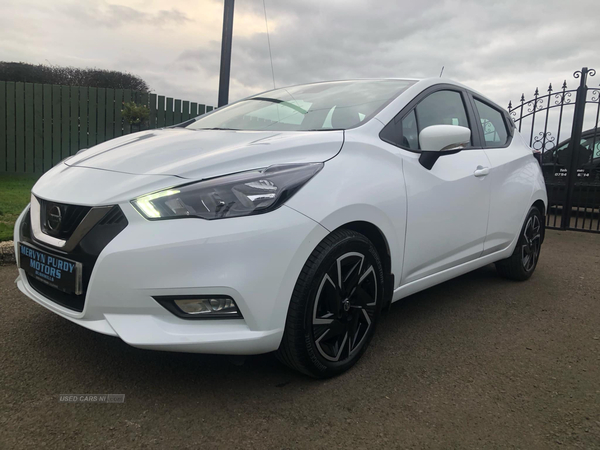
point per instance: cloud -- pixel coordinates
(499, 48)
(115, 16)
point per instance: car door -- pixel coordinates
(586, 192)
(447, 205)
(512, 172)
(554, 169)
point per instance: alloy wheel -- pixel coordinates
(530, 249)
(344, 307)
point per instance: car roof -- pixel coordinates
(424, 82)
(391, 109)
(418, 82)
(590, 132)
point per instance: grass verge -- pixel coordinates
(15, 191)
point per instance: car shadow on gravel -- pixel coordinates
(124, 367)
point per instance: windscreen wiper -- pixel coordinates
(216, 128)
(280, 102)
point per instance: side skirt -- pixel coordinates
(445, 275)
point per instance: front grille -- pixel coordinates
(59, 220)
(86, 252)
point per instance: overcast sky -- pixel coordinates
(500, 48)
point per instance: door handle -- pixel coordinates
(481, 171)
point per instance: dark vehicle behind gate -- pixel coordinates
(555, 166)
(570, 157)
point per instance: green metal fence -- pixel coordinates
(41, 124)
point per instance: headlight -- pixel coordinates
(239, 194)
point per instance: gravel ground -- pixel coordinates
(477, 362)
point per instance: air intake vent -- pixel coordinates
(114, 216)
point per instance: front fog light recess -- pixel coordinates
(207, 306)
(217, 306)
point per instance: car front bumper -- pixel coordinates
(255, 260)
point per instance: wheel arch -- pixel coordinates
(539, 203)
(379, 240)
(376, 236)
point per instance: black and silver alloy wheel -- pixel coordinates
(530, 249)
(522, 263)
(344, 307)
(335, 306)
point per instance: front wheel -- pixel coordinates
(522, 263)
(334, 307)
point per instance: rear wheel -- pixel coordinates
(522, 263)
(334, 307)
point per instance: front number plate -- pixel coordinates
(56, 271)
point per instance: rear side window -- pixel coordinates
(493, 125)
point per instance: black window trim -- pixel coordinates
(507, 122)
(467, 103)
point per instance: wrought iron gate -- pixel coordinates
(563, 126)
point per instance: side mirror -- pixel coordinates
(440, 138)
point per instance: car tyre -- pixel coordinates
(332, 318)
(522, 263)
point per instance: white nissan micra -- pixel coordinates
(285, 221)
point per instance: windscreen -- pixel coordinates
(311, 107)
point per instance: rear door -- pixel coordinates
(513, 169)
